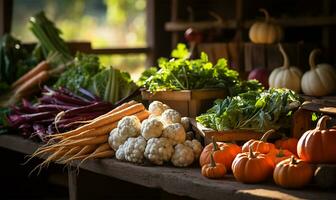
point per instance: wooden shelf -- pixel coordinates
(232, 24)
(180, 181)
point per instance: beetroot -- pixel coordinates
(260, 74)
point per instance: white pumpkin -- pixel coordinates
(265, 32)
(285, 76)
(320, 80)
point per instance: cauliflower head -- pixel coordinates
(174, 132)
(185, 123)
(183, 156)
(115, 139)
(120, 153)
(171, 116)
(134, 149)
(196, 146)
(156, 108)
(129, 126)
(159, 150)
(151, 128)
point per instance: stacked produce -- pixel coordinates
(89, 141)
(289, 160)
(160, 138)
(56, 111)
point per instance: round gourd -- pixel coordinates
(318, 145)
(213, 169)
(278, 155)
(287, 143)
(265, 32)
(223, 153)
(252, 167)
(285, 76)
(292, 173)
(320, 80)
(261, 145)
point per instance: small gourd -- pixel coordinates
(285, 76)
(265, 32)
(213, 169)
(292, 173)
(261, 145)
(320, 80)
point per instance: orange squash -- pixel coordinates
(261, 145)
(278, 155)
(292, 173)
(287, 143)
(222, 152)
(250, 167)
(318, 145)
(213, 169)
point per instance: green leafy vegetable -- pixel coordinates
(252, 111)
(180, 73)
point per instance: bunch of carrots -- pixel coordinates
(89, 141)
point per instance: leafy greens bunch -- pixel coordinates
(271, 109)
(107, 83)
(181, 73)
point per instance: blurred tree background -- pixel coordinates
(104, 23)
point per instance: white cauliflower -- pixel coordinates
(174, 132)
(196, 146)
(156, 108)
(129, 126)
(185, 123)
(134, 149)
(115, 139)
(165, 107)
(151, 128)
(183, 156)
(120, 153)
(171, 116)
(159, 150)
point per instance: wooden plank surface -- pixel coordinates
(180, 181)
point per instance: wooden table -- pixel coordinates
(179, 181)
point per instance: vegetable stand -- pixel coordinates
(169, 179)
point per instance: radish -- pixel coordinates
(260, 74)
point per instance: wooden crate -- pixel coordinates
(189, 103)
(223, 136)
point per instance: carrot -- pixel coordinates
(104, 120)
(103, 154)
(70, 153)
(103, 130)
(34, 81)
(83, 142)
(42, 66)
(119, 108)
(86, 150)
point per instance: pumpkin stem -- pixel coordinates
(281, 153)
(251, 154)
(266, 135)
(214, 144)
(212, 161)
(312, 56)
(284, 55)
(322, 122)
(293, 161)
(267, 16)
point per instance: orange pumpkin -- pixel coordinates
(250, 167)
(278, 155)
(318, 145)
(292, 173)
(261, 145)
(213, 170)
(222, 152)
(287, 143)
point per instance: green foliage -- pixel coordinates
(252, 111)
(180, 73)
(79, 75)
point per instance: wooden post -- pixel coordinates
(6, 8)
